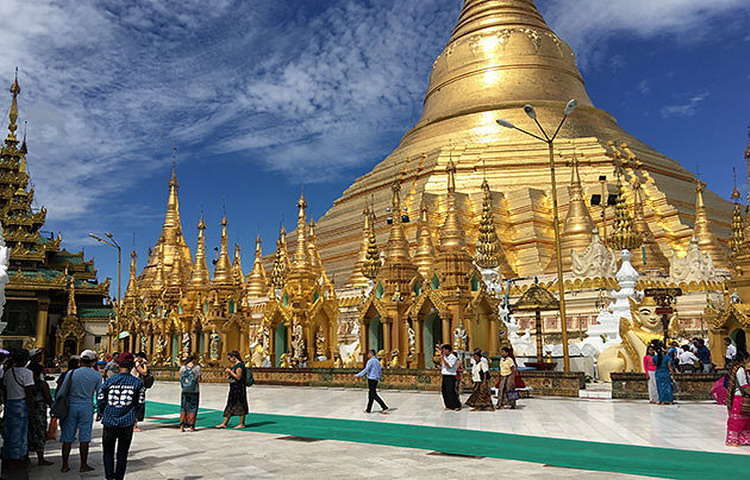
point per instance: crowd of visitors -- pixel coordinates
(87, 388)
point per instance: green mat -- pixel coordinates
(605, 457)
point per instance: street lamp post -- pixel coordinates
(549, 140)
(110, 240)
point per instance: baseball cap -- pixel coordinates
(88, 355)
(125, 358)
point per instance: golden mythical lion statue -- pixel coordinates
(636, 334)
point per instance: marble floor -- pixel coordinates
(161, 452)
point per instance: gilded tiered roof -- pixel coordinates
(578, 225)
(424, 256)
(280, 262)
(707, 241)
(200, 276)
(257, 284)
(368, 261)
(223, 269)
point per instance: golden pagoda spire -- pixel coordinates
(257, 284)
(452, 233)
(280, 261)
(489, 252)
(397, 248)
(158, 282)
(302, 252)
(72, 307)
(738, 222)
(223, 269)
(15, 90)
(651, 257)
(373, 261)
(707, 241)
(623, 236)
(200, 275)
(312, 248)
(358, 277)
(132, 289)
(424, 257)
(237, 273)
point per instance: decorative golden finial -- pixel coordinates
(371, 265)
(222, 271)
(312, 246)
(15, 90)
(72, 307)
(424, 257)
(132, 289)
(237, 273)
(257, 284)
(200, 276)
(302, 253)
(623, 236)
(360, 274)
(707, 241)
(488, 253)
(280, 261)
(24, 149)
(397, 248)
(452, 233)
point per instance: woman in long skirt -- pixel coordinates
(738, 423)
(650, 369)
(37, 432)
(190, 375)
(237, 399)
(663, 377)
(506, 386)
(481, 398)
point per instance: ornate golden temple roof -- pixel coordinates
(424, 256)
(365, 269)
(707, 241)
(200, 276)
(257, 284)
(578, 225)
(280, 262)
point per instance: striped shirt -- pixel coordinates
(119, 399)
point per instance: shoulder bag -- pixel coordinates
(61, 404)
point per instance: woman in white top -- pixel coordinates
(481, 398)
(738, 403)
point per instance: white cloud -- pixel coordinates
(110, 86)
(687, 20)
(686, 109)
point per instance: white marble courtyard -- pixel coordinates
(162, 452)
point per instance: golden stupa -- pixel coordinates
(501, 56)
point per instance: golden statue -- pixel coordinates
(394, 363)
(636, 334)
(259, 354)
(285, 360)
(355, 358)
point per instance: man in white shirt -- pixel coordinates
(731, 352)
(687, 360)
(20, 390)
(449, 369)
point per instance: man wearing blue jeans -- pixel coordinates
(374, 372)
(83, 383)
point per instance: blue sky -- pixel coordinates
(262, 97)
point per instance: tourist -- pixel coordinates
(190, 375)
(481, 398)
(42, 400)
(449, 368)
(650, 369)
(112, 368)
(506, 385)
(19, 395)
(738, 403)
(141, 371)
(663, 376)
(119, 399)
(687, 360)
(81, 388)
(374, 372)
(672, 355)
(730, 352)
(703, 354)
(237, 398)
(73, 363)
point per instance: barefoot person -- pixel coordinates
(237, 399)
(449, 369)
(42, 400)
(190, 375)
(19, 394)
(481, 398)
(118, 402)
(506, 386)
(374, 372)
(81, 386)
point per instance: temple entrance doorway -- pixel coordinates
(375, 334)
(280, 343)
(432, 334)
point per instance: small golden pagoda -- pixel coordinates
(54, 299)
